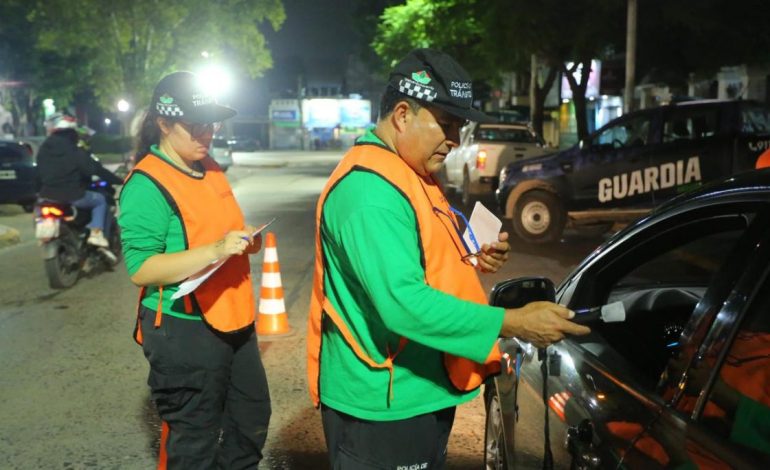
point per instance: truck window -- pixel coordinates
(755, 120)
(505, 134)
(690, 124)
(631, 132)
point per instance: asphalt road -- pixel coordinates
(73, 391)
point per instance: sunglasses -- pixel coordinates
(199, 130)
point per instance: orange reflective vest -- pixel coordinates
(442, 250)
(208, 210)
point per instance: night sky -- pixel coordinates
(314, 29)
(317, 33)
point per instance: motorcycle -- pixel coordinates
(62, 232)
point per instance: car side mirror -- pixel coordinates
(516, 293)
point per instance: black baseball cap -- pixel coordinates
(435, 78)
(179, 96)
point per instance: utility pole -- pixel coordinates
(628, 95)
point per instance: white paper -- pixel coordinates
(192, 282)
(486, 228)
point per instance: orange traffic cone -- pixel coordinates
(272, 319)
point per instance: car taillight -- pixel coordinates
(51, 211)
(481, 159)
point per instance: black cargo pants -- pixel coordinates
(205, 383)
(417, 443)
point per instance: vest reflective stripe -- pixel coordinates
(441, 249)
(208, 209)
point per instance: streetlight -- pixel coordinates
(123, 105)
(215, 80)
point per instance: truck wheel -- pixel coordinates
(539, 217)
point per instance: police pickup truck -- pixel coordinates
(631, 165)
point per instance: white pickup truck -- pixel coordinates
(473, 168)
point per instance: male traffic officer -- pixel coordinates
(399, 330)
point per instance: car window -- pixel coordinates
(693, 263)
(628, 133)
(755, 119)
(219, 143)
(738, 406)
(10, 155)
(659, 283)
(505, 134)
(691, 123)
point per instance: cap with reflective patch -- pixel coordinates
(179, 95)
(435, 78)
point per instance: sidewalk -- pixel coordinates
(15, 225)
(8, 236)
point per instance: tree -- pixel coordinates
(492, 36)
(19, 65)
(121, 48)
(468, 30)
(569, 32)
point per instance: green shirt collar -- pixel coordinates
(370, 138)
(198, 173)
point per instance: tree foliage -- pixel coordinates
(464, 29)
(492, 36)
(121, 48)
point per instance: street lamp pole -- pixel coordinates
(123, 108)
(628, 95)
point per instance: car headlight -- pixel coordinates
(503, 174)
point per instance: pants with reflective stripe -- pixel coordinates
(415, 443)
(205, 383)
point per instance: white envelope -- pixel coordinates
(486, 228)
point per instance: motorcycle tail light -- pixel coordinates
(481, 159)
(51, 211)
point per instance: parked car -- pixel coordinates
(473, 167)
(18, 175)
(630, 165)
(244, 144)
(221, 152)
(684, 381)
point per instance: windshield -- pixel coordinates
(506, 134)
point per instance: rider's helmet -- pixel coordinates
(59, 122)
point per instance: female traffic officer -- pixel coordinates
(178, 216)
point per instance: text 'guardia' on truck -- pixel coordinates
(631, 165)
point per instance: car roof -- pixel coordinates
(755, 182)
(12, 143)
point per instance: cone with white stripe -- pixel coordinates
(271, 318)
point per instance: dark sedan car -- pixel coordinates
(684, 381)
(18, 184)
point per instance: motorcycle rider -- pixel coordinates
(65, 169)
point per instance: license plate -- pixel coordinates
(7, 174)
(45, 229)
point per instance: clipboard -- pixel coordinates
(192, 282)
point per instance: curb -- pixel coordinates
(8, 236)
